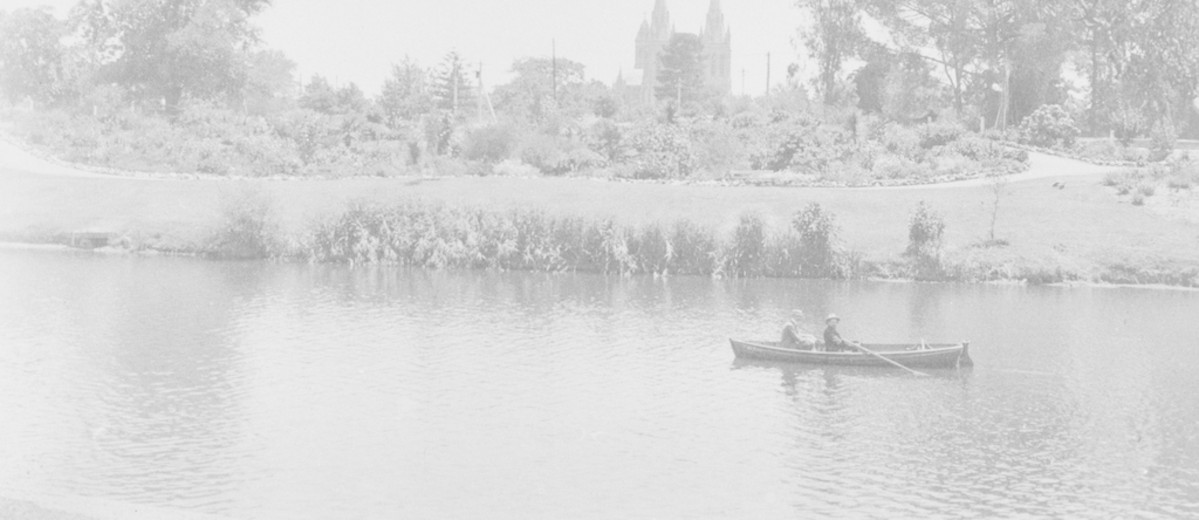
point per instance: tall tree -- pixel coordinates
(680, 72)
(30, 54)
(541, 87)
(270, 81)
(832, 38)
(169, 49)
(943, 32)
(405, 95)
(1143, 61)
(452, 89)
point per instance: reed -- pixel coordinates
(436, 236)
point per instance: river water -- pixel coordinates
(257, 390)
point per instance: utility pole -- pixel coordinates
(479, 99)
(484, 97)
(768, 74)
(454, 73)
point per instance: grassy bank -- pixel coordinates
(1080, 232)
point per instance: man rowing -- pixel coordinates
(833, 342)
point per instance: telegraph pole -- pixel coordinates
(454, 72)
(768, 74)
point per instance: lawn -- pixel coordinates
(1082, 226)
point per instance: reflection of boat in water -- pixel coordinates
(924, 355)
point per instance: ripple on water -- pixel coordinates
(272, 391)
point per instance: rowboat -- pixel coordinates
(924, 355)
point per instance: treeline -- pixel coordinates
(187, 86)
(1127, 67)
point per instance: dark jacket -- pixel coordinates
(833, 341)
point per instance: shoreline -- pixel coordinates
(58, 248)
(1078, 233)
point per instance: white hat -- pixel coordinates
(832, 317)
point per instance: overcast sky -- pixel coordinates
(358, 40)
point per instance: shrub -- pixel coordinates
(1146, 190)
(662, 152)
(717, 148)
(1049, 126)
(896, 167)
(248, 228)
(810, 147)
(747, 253)
(1162, 140)
(606, 138)
(1138, 199)
(901, 140)
(939, 133)
(543, 152)
(490, 144)
(818, 252)
(925, 231)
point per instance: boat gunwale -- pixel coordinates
(939, 348)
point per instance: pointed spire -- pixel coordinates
(661, 18)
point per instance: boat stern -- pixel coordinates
(964, 358)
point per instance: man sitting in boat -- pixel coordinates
(833, 342)
(795, 337)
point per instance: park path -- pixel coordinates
(1040, 166)
(15, 158)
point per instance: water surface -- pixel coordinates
(256, 390)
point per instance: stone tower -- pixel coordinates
(718, 51)
(651, 39)
(656, 33)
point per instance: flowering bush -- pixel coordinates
(662, 152)
(1049, 126)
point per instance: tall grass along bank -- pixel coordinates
(436, 236)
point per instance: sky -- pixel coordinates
(358, 40)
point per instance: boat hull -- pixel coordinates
(939, 355)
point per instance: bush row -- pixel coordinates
(204, 138)
(434, 236)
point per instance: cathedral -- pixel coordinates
(656, 33)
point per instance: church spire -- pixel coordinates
(715, 24)
(661, 19)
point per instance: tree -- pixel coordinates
(319, 96)
(269, 81)
(451, 89)
(171, 49)
(941, 31)
(541, 87)
(910, 92)
(832, 38)
(680, 73)
(31, 54)
(405, 95)
(1141, 58)
(870, 80)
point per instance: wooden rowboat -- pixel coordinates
(930, 355)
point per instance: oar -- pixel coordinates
(884, 358)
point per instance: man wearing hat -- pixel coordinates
(832, 339)
(794, 336)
